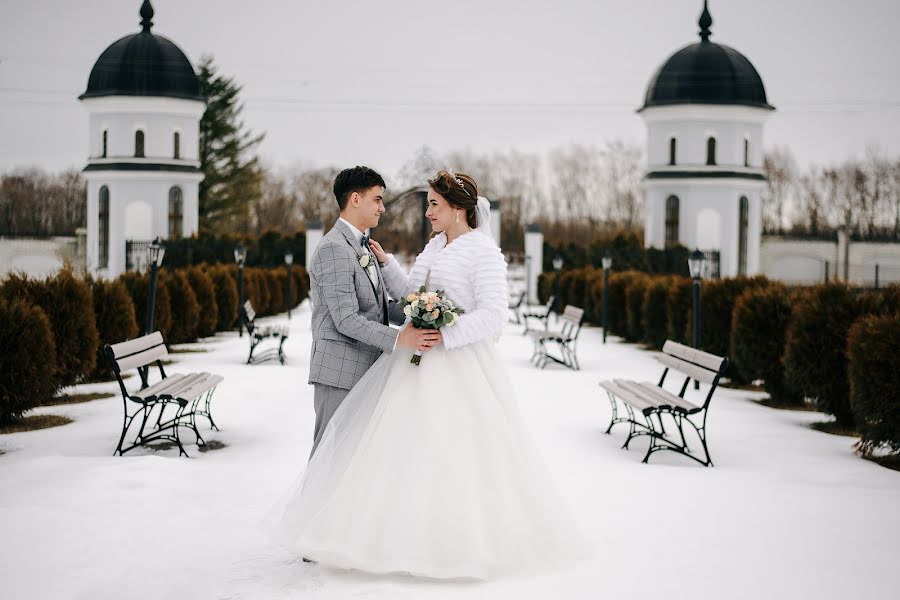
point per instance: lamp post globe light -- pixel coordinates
(606, 261)
(557, 266)
(240, 256)
(155, 253)
(695, 266)
(289, 261)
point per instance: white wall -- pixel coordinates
(803, 261)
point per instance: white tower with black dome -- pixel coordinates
(143, 171)
(704, 110)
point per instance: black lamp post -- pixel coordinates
(289, 261)
(240, 256)
(606, 261)
(155, 253)
(695, 265)
(557, 266)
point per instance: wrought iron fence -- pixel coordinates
(136, 252)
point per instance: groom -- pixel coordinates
(350, 303)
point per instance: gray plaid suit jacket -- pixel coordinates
(350, 314)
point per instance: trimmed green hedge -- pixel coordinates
(184, 306)
(653, 315)
(205, 292)
(116, 322)
(138, 286)
(28, 360)
(679, 304)
(815, 355)
(67, 302)
(873, 348)
(634, 306)
(226, 297)
(759, 322)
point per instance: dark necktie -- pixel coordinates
(364, 242)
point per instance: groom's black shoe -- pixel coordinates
(306, 560)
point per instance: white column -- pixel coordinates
(495, 220)
(842, 268)
(534, 259)
(314, 232)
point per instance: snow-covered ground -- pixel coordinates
(787, 512)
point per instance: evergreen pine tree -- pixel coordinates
(232, 174)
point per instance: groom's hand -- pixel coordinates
(418, 339)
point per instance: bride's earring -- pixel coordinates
(457, 216)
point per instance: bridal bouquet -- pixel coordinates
(429, 310)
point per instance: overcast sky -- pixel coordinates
(335, 82)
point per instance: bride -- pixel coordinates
(429, 469)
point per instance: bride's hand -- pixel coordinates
(380, 254)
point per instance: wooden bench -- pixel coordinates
(565, 340)
(515, 308)
(177, 400)
(260, 334)
(540, 315)
(653, 402)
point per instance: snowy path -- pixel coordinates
(787, 512)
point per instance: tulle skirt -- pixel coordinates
(429, 470)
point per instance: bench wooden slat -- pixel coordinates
(668, 397)
(705, 359)
(159, 387)
(142, 358)
(137, 344)
(201, 387)
(690, 369)
(627, 395)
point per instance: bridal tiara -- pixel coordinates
(459, 182)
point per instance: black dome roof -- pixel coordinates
(706, 73)
(143, 64)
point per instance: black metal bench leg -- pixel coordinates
(615, 412)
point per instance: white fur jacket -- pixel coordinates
(472, 272)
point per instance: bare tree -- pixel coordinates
(780, 169)
(35, 203)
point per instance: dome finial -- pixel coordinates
(146, 15)
(705, 22)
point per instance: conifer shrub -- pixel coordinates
(226, 297)
(184, 307)
(634, 306)
(679, 304)
(114, 312)
(138, 285)
(618, 314)
(815, 356)
(67, 302)
(205, 292)
(653, 311)
(759, 323)
(28, 360)
(873, 345)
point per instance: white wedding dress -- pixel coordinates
(429, 469)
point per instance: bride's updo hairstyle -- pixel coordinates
(459, 190)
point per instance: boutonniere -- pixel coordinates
(364, 260)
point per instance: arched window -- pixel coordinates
(176, 212)
(743, 224)
(746, 152)
(103, 238)
(139, 144)
(711, 151)
(672, 221)
(176, 143)
(105, 139)
(672, 148)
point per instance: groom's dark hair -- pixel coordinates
(357, 179)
